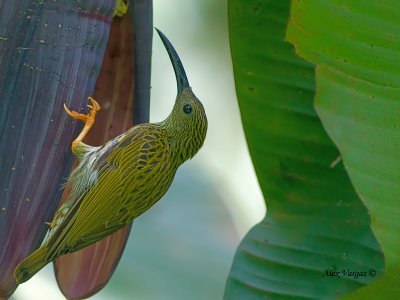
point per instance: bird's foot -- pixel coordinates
(87, 119)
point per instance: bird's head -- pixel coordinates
(187, 122)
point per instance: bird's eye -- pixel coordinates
(187, 109)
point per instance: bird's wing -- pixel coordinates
(82, 178)
(140, 155)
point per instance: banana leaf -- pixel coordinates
(50, 53)
(316, 224)
(355, 47)
(121, 94)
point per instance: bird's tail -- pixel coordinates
(31, 265)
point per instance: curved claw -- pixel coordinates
(75, 115)
(94, 105)
(67, 110)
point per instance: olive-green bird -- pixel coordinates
(117, 182)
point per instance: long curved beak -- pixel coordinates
(180, 74)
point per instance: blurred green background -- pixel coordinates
(183, 247)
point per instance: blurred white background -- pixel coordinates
(183, 247)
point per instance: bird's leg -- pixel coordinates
(87, 119)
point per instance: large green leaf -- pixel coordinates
(356, 46)
(315, 220)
